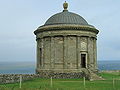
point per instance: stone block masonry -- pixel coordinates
(14, 78)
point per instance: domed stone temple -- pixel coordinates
(66, 43)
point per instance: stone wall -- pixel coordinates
(13, 78)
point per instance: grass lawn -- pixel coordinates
(68, 84)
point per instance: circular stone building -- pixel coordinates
(66, 43)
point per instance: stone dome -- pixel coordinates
(66, 20)
(66, 17)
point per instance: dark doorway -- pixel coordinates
(83, 60)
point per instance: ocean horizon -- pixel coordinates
(29, 67)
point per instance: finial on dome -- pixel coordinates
(65, 6)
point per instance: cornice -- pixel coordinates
(65, 27)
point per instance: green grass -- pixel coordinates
(67, 84)
(110, 76)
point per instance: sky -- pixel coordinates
(19, 19)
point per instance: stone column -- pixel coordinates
(78, 52)
(38, 54)
(52, 52)
(90, 53)
(42, 50)
(65, 46)
(95, 53)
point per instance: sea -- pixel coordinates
(29, 67)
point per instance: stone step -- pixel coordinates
(95, 77)
(91, 75)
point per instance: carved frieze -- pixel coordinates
(83, 44)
